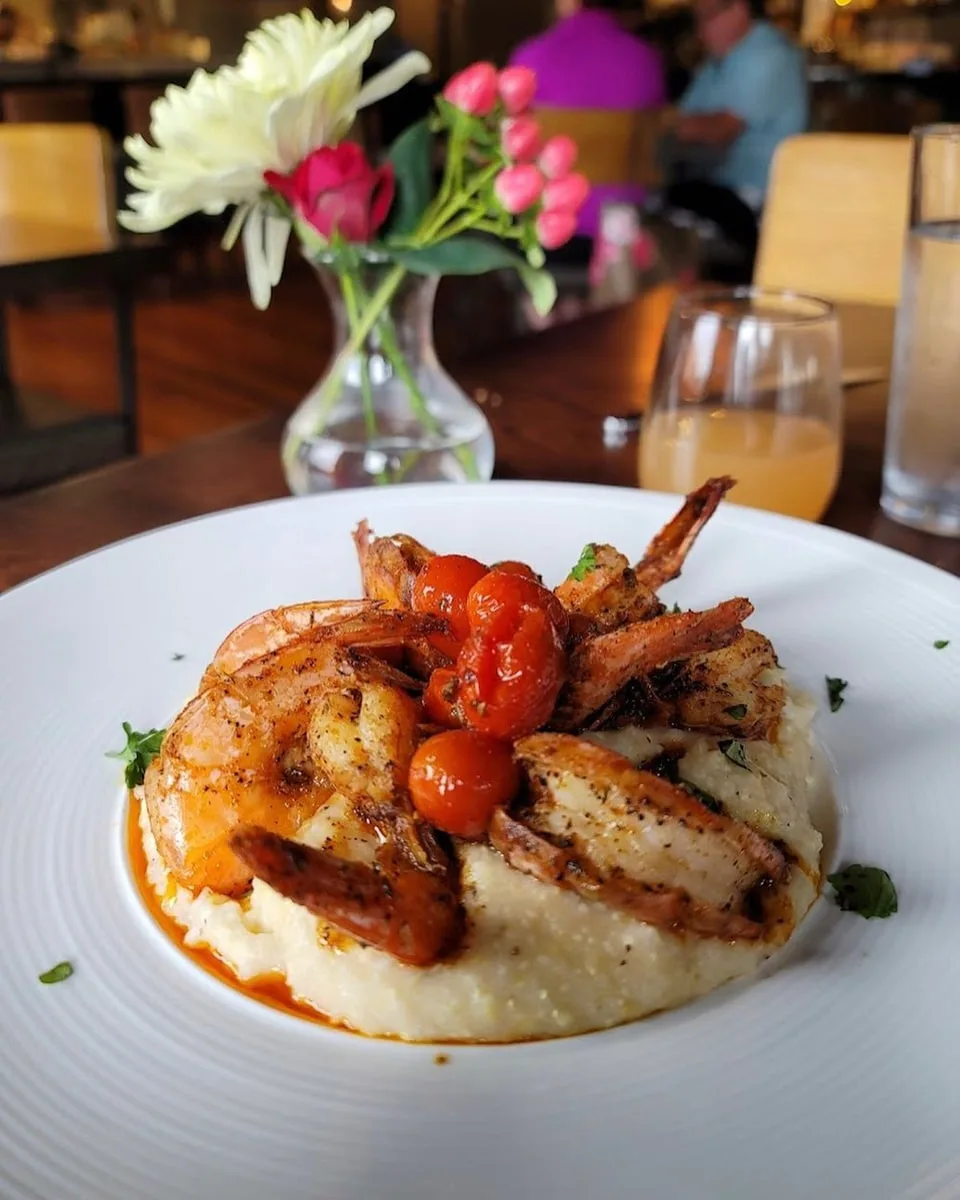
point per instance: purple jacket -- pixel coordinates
(589, 61)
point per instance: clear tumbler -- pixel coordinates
(921, 470)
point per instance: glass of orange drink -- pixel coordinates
(748, 384)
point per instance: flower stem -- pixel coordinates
(349, 287)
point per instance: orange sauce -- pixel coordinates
(271, 990)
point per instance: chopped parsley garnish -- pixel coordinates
(676, 610)
(705, 798)
(178, 657)
(737, 711)
(941, 644)
(141, 749)
(835, 690)
(586, 563)
(57, 974)
(735, 752)
(868, 891)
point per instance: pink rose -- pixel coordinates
(336, 191)
(558, 156)
(474, 89)
(568, 194)
(518, 188)
(518, 86)
(521, 138)
(555, 228)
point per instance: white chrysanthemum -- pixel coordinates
(296, 86)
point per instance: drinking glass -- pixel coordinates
(748, 385)
(921, 470)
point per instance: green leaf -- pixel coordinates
(675, 611)
(411, 156)
(737, 711)
(141, 749)
(940, 645)
(469, 254)
(705, 798)
(835, 690)
(586, 563)
(735, 752)
(868, 891)
(57, 974)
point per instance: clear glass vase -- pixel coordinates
(386, 411)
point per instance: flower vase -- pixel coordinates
(385, 411)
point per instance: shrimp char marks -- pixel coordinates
(468, 807)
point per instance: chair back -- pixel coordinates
(58, 175)
(616, 146)
(63, 104)
(835, 218)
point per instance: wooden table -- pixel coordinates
(545, 397)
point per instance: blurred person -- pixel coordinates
(587, 60)
(749, 94)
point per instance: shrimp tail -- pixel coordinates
(666, 554)
(411, 913)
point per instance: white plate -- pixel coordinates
(836, 1073)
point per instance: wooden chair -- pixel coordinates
(614, 146)
(836, 217)
(58, 229)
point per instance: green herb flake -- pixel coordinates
(57, 974)
(868, 891)
(676, 610)
(705, 798)
(941, 644)
(737, 711)
(835, 690)
(586, 563)
(178, 657)
(735, 752)
(141, 749)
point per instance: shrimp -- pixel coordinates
(666, 554)
(597, 825)
(238, 754)
(383, 876)
(600, 667)
(389, 565)
(608, 596)
(356, 622)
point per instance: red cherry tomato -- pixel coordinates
(442, 588)
(509, 683)
(496, 601)
(510, 567)
(440, 698)
(458, 778)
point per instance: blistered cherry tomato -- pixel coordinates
(441, 588)
(440, 698)
(497, 600)
(511, 567)
(458, 778)
(509, 683)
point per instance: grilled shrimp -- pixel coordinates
(238, 753)
(608, 596)
(597, 825)
(389, 565)
(601, 666)
(366, 623)
(382, 876)
(666, 554)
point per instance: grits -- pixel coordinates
(538, 962)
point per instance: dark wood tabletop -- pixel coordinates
(545, 396)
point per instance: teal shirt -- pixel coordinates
(763, 81)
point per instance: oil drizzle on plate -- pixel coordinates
(271, 990)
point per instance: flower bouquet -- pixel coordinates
(266, 138)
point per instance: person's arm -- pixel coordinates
(709, 129)
(752, 95)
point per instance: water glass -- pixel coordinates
(921, 470)
(748, 385)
